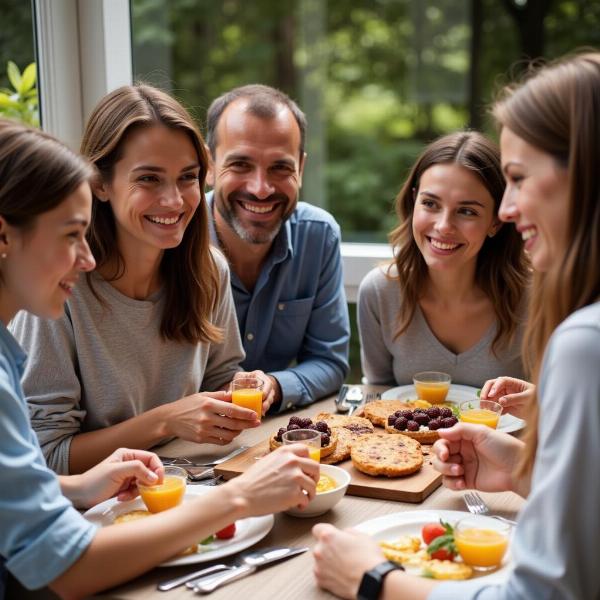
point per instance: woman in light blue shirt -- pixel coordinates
(45, 207)
(550, 146)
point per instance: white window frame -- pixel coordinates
(83, 52)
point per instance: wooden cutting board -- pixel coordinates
(411, 488)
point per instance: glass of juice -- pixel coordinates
(167, 494)
(481, 546)
(308, 437)
(481, 412)
(432, 386)
(248, 392)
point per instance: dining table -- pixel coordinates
(291, 579)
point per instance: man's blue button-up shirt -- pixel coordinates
(295, 324)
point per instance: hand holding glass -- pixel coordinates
(308, 437)
(167, 494)
(248, 393)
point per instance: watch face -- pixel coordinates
(372, 581)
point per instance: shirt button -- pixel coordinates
(250, 337)
(289, 405)
(281, 306)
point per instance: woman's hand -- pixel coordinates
(515, 395)
(271, 389)
(116, 475)
(342, 557)
(477, 457)
(208, 417)
(278, 481)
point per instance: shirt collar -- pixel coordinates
(12, 348)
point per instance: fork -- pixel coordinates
(477, 506)
(186, 462)
(364, 400)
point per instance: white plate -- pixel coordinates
(457, 394)
(391, 527)
(248, 531)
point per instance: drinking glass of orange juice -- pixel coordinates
(308, 437)
(481, 546)
(481, 412)
(167, 494)
(432, 386)
(248, 392)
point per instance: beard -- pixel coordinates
(256, 232)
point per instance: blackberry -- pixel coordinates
(445, 412)
(392, 419)
(421, 418)
(448, 422)
(400, 423)
(293, 426)
(294, 420)
(453, 419)
(433, 412)
(325, 439)
(412, 426)
(305, 423)
(398, 413)
(407, 414)
(322, 426)
(435, 424)
(280, 432)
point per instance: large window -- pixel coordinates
(377, 79)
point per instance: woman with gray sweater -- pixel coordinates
(452, 299)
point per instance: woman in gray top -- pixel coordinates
(550, 145)
(452, 300)
(155, 323)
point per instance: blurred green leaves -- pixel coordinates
(21, 102)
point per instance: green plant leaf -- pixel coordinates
(27, 79)
(7, 101)
(14, 75)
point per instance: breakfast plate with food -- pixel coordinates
(230, 540)
(444, 544)
(456, 395)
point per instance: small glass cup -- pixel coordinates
(432, 386)
(167, 494)
(481, 412)
(308, 437)
(248, 393)
(482, 546)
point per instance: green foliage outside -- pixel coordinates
(21, 101)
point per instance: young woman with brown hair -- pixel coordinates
(155, 323)
(550, 143)
(45, 208)
(452, 300)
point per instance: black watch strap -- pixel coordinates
(372, 581)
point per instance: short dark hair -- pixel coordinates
(263, 101)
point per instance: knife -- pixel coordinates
(249, 563)
(170, 584)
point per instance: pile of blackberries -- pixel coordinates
(306, 423)
(411, 420)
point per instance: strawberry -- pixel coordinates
(226, 533)
(442, 546)
(431, 531)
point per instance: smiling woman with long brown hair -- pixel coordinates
(550, 145)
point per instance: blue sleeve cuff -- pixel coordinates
(292, 392)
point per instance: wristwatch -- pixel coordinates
(372, 581)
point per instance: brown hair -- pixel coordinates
(557, 110)
(37, 172)
(263, 102)
(501, 270)
(189, 272)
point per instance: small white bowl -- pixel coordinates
(321, 503)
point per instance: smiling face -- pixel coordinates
(453, 214)
(154, 190)
(257, 171)
(44, 262)
(535, 200)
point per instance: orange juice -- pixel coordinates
(248, 398)
(481, 547)
(432, 392)
(314, 453)
(480, 416)
(163, 496)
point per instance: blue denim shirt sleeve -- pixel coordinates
(41, 534)
(322, 363)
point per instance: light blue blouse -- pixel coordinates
(41, 534)
(555, 544)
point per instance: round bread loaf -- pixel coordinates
(388, 455)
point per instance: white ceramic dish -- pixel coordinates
(321, 503)
(457, 394)
(248, 531)
(393, 526)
